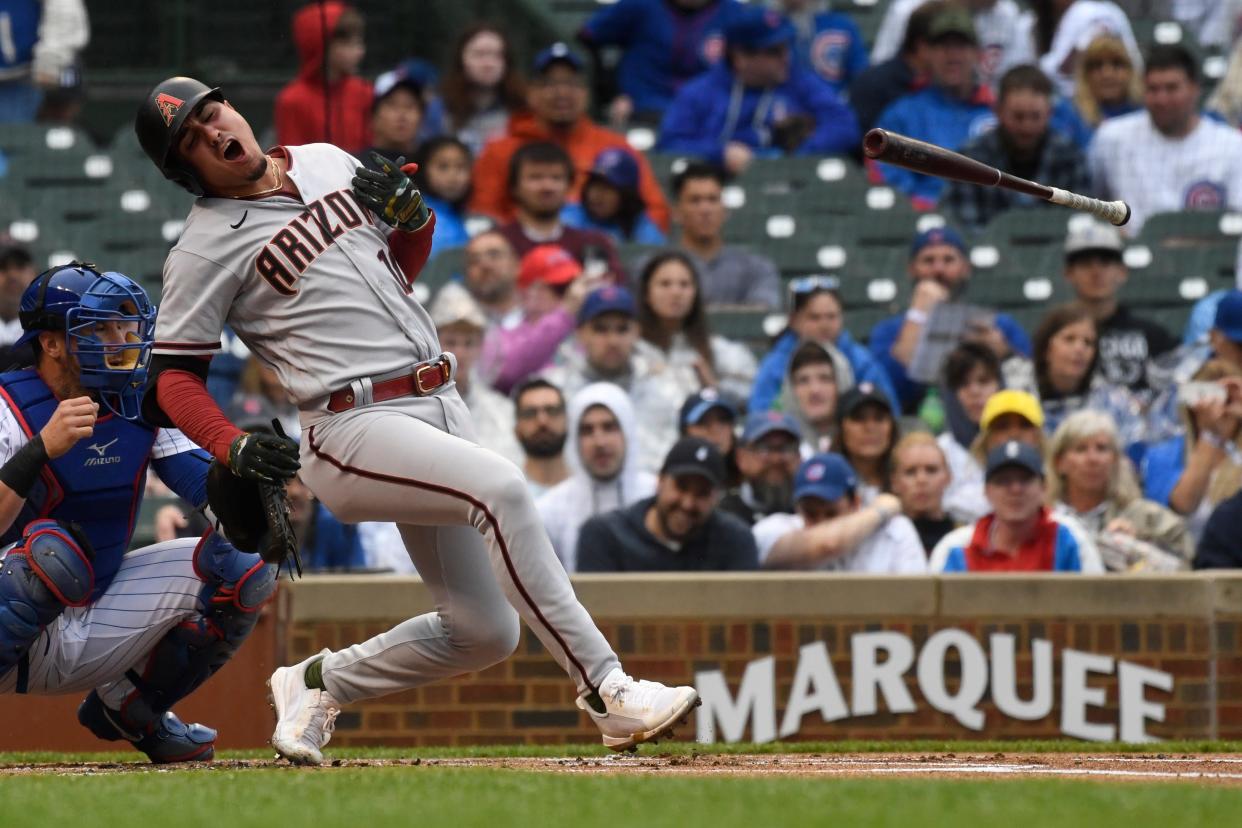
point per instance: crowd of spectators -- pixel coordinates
(1093, 440)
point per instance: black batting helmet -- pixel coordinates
(159, 121)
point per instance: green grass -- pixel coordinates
(434, 796)
(679, 748)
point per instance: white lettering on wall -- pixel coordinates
(880, 662)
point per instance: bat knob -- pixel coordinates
(1124, 219)
(875, 142)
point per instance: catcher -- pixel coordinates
(139, 631)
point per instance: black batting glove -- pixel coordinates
(268, 458)
(390, 193)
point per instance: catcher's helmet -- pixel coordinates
(159, 121)
(75, 298)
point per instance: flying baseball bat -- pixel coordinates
(929, 159)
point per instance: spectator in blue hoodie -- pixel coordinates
(664, 44)
(815, 315)
(443, 177)
(758, 102)
(828, 42)
(953, 109)
(611, 202)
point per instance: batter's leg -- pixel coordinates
(390, 465)
(473, 625)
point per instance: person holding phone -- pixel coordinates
(1196, 470)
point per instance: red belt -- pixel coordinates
(425, 378)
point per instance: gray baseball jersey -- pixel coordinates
(310, 287)
(307, 285)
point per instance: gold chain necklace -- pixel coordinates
(280, 182)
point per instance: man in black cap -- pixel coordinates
(710, 416)
(680, 529)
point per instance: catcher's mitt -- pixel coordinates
(253, 516)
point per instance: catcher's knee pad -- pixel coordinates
(48, 570)
(236, 586)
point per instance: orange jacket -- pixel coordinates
(583, 142)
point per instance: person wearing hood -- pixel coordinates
(816, 314)
(768, 457)
(757, 102)
(604, 349)
(558, 100)
(600, 451)
(812, 387)
(681, 529)
(327, 101)
(460, 324)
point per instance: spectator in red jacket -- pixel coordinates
(327, 101)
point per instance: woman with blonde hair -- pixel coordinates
(1106, 82)
(1089, 478)
(920, 477)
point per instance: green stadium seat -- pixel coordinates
(1036, 226)
(743, 325)
(1187, 228)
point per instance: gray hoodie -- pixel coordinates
(568, 504)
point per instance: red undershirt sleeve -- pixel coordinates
(410, 250)
(184, 398)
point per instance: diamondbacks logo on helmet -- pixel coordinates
(168, 106)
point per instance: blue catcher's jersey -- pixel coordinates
(19, 22)
(97, 484)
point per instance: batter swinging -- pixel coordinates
(310, 259)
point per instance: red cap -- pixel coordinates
(550, 264)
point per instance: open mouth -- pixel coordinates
(232, 149)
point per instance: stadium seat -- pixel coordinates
(1036, 226)
(1191, 227)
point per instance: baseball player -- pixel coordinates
(311, 259)
(142, 630)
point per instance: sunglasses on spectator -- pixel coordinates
(530, 412)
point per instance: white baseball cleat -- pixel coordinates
(637, 711)
(305, 717)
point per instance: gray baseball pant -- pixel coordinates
(471, 528)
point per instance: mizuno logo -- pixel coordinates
(100, 450)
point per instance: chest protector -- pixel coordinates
(98, 484)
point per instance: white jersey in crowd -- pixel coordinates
(1082, 23)
(1132, 160)
(892, 549)
(1003, 38)
(282, 271)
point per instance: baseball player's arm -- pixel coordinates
(410, 250)
(181, 465)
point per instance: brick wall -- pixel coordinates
(1189, 626)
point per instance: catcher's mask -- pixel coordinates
(109, 324)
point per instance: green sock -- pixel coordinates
(314, 675)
